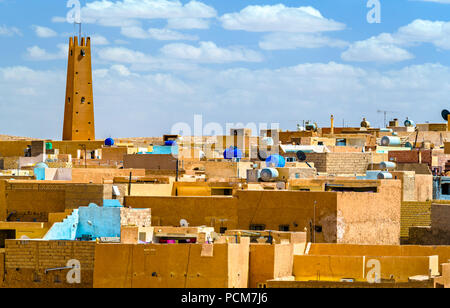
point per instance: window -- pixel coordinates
(223, 230)
(445, 189)
(83, 100)
(284, 228)
(257, 227)
(6, 235)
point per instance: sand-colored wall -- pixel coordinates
(32, 230)
(171, 266)
(269, 262)
(372, 218)
(157, 190)
(198, 211)
(335, 268)
(292, 208)
(363, 218)
(381, 250)
(424, 187)
(100, 175)
(33, 200)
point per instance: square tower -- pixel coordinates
(79, 105)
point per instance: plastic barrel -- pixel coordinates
(387, 165)
(269, 174)
(390, 141)
(276, 161)
(385, 176)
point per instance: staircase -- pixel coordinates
(65, 230)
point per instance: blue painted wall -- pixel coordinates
(93, 221)
(99, 221)
(438, 182)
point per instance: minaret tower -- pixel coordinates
(79, 105)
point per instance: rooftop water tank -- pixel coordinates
(409, 123)
(390, 141)
(269, 174)
(232, 152)
(385, 176)
(311, 126)
(275, 161)
(365, 123)
(387, 165)
(109, 142)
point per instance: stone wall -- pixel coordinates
(340, 163)
(26, 263)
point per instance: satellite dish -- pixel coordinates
(301, 156)
(184, 223)
(445, 113)
(262, 155)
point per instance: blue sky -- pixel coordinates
(159, 62)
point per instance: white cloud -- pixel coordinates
(124, 55)
(425, 31)
(375, 49)
(44, 32)
(36, 53)
(157, 34)
(209, 52)
(127, 13)
(188, 23)
(170, 35)
(388, 47)
(436, 1)
(99, 40)
(241, 95)
(140, 61)
(9, 31)
(279, 18)
(284, 41)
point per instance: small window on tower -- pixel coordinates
(83, 100)
(83, 53)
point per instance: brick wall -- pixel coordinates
(340, 163)
(440, 217)
(77, 195)
(27, 261)
(413, 156)
(414, 214)
(29, 201)
(136, 217)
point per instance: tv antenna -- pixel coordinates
(385, 113)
